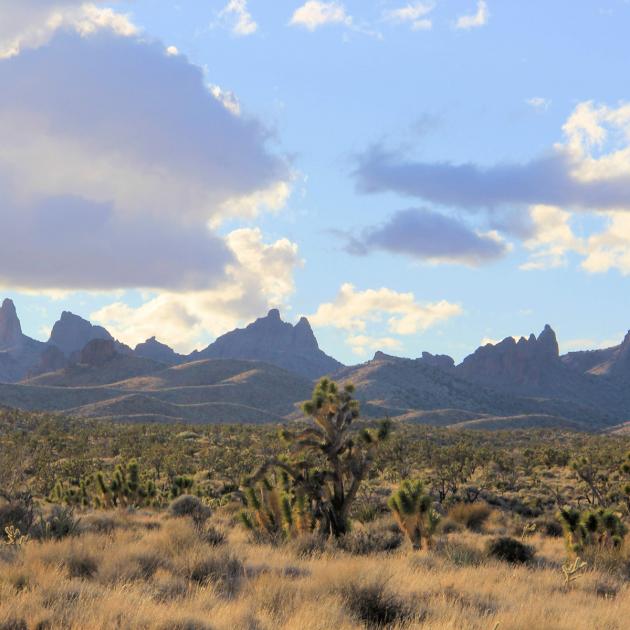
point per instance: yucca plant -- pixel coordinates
(413, 511)
(327, 462)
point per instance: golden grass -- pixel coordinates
(151, 571)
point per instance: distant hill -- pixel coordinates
(202, 391)
(401, 388)
(271, 340)
(262, 372)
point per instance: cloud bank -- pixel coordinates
(115, 159)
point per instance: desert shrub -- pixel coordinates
(592, 532)
(191, 506)
(460, 554)
(368, 540)
(57, 525)
(549, 527)
(308, 545)
(470, 515)
(213, 536)
(509, 550)
(13, 624)
(375, 604)
(223, 570)
(18, 513)
(100, 524)
(80, 564)
(449, 526)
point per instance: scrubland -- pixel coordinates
(142, 569)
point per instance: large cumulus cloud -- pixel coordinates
(115, 159)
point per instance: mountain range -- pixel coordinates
(261, 373)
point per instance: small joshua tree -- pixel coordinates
(413, 512)
(327, 462)
(592, 531)
(274, 512)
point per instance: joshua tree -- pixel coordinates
(327, 462)
(594, 530)
(413, 513)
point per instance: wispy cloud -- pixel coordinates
(539, 103)
(314, 14)
(479, 18)
(415, 14)
(240, 19)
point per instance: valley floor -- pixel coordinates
(150, 570)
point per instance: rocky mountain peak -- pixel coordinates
(548, 343)
(527, 361)
(71, 333)
(10, 328)
(271, 340)
(156, 351)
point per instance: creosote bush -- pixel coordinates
(509, 550)
(376, 604)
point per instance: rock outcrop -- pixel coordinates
(273, 341)
(98, 352)
(526, 362)
(613, 362)
(72, 333)
(153, 349)
(11, 337)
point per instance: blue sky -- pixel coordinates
(323, 166)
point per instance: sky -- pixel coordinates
(411, 176)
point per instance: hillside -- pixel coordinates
(207, 391)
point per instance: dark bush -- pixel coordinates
(376, 605)
(223, 570)
(81, 565)
(59, 524)
(13, 624)
(213, 536)
(550, 527)
(189, 505)
(509, 550)
(19, 513)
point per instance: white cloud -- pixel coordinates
(314, 14)
(32, 23)
(228, 99)
(172, 50)
(610, 248)
(353, 310)
(362, 344)
(553, 238)
(480, 18)
(262, 277)
(539, 103)
(238, 15)
(413, 13)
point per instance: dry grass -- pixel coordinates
(152, 571)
